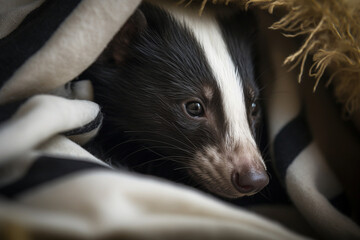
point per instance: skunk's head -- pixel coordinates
(183, 85)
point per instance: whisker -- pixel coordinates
(181, 168)
(158, 133)
(155, 160)
(184, 135)
(177, 129)
(118, 145)
(133, 153)
(154, 141)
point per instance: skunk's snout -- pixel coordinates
(230, 174)
(249, 182)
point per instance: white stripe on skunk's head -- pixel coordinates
(231, 166)
(193, 96)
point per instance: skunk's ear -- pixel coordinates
(133, 27)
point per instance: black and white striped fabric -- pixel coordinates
(297, 158)
(51, 187)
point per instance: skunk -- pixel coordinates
(180, 89)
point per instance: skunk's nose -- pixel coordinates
(249, 182)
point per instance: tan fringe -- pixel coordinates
(332, 31)
(204, 2)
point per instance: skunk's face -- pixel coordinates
(186, 90)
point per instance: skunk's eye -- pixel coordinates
(194, 109)
(254, 109)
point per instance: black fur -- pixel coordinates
(143, 96)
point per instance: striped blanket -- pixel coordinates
(51, 187)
